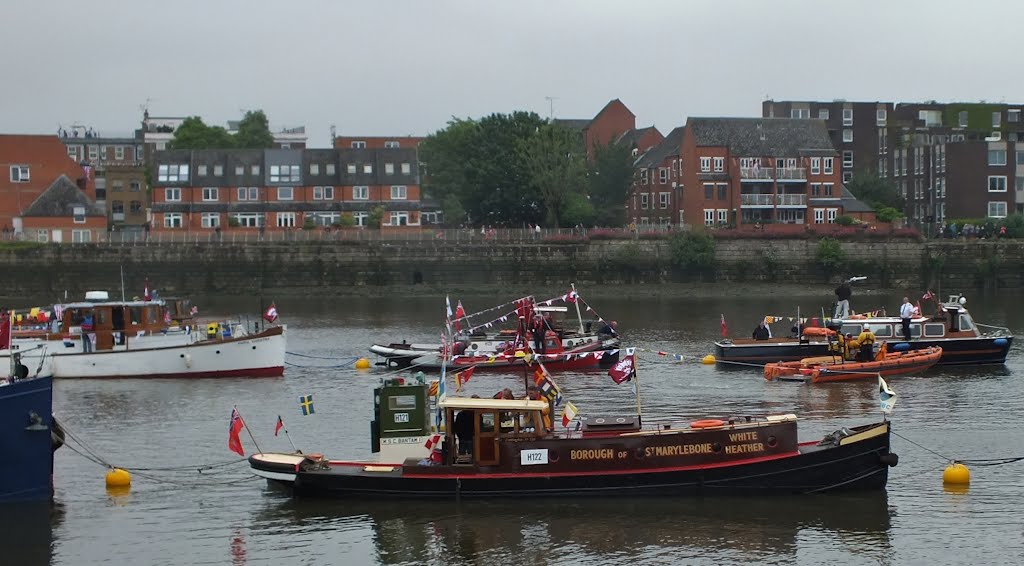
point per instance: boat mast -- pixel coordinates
(579, 317)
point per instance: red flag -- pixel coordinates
(235, 427)
(146, 295)
(5, 331)
(462, 378)
(725, 330)
(271, 314)
(570, 297)
(928, 295)
(624, 369)
(279, 425)
(459, 314)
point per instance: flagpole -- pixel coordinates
(246, 427)
(286, 435)
(576, 301)
(636, 384)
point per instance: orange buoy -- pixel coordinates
(707, 423)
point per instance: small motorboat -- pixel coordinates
(824, 369)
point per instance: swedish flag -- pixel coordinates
(306, 402)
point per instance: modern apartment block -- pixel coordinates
(284, 189)
(117, 165)
(157, 132)
(750, 171)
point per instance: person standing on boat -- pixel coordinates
(906, 313)
(538, 328)
(464, 429)
(843, 294)
(761, 332)
(87, 327)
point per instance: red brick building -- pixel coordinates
(657, 187)
(32, 166)
(760, 171)
(609, 125)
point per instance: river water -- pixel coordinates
(224, 516)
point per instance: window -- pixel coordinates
(211, 220)
(314, 168)
(351, 169)
(367, 168)
(42, 235)
(389, 168)
(800, 113)
(828, 189)
(847, 176)
(663, 199)
(323, 193)
(406, 169)
(285, 193)
(723, 191)
(709, 217)
(815, 190)
(962, 119)
(248, 193)
(997, 118)
(997, 184)
(218, 170)
(847, 116)
(705, 164)
(135, 207)
(325, 218)
(719, 164)
(73, 152)
(815, 165)
(172, 195)
(644, 201)
(330, 168)
(823, 113)
(211, 193)
(119, 152)
(81, 236)
(359, 145)
(997, 209)
(399, 219)
(172, 173)
(880, 117)
(819, 215)
(723, 216)
(172, 220)
(94, 153)
(201, 170)
(847, 159)
(828, 161)
(709, 191)
(832, 212)
(285, 219)
(284, 174)
(663, 175)
(643, 176)
(249, 220)
(255, 169)
(361, 193)
(239, 170)
(398, 192)
(1013, 115)
(391, 145)
(140, 153)
(997, 157)
(361, 218)
(847, 136)
(19, 174)
(117, 207)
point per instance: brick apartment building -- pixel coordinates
(284, 189)
(45, 195)
(748, 171)
(117, 166)
(614, 123)
(657, 185)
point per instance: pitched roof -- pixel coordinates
(572, 123)
(632, 137)
(763, 137)
(46, 158)
(852, 203)
(614, 102)
(668, 146)
(61, 198)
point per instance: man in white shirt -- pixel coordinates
(906, 313)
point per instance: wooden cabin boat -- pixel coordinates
(138, 339)
(962, 340)
(512, 453)
(825, 369)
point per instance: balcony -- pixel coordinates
(757, 200)
(771, 200)
(791, 173)
(755, 173)
(792, 200)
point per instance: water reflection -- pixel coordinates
(600, 531)
(26, 532)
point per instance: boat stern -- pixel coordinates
(279, 467)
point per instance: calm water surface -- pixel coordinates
(224, 516)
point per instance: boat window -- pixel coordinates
(151, 315)
(402, 402)
(934, 330)
(965, 322)
(101, 317)
(487, 422)
(552, 344)
(881, 330)
(136, 315)
(853, 329)
(915, 330)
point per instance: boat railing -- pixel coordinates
(998, 330)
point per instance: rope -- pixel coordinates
(320, 357)
(991, 461)
(340, 366)
(925, 448)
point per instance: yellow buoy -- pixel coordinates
(708, 360)
(956, 474)
(117, 477)
(362, 363)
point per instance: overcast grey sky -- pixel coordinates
(404, 67)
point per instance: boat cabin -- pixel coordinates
(951, 321)
(478, 427)
(114, 323)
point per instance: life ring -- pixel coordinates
(707, 423)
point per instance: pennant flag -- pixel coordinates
(429, 444)
(306, 402)
(568, 414)
(271, 314)
(448, 314)
(625, 369)
(235, 427)
(547, 387)
(279, 425)
(146, 296)
(725, 329)
(927, 296)
(6, 332)
(887, 397)
(433, 389)
(570, 297)
(463, 377)
(459, 314)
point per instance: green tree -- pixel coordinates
(578, 209)
(887, 214)
(609, 179)
(556, 165)
(693, 250)
(194, 134)
(454, 213)
(254, 131)
(376, 217)
(346, 221)
(875, 191)
(830, 255)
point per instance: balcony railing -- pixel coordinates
(792, 200)
(756, 173)
(799, 173)
(769, 173)
(757, 200)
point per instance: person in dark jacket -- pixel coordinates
(761, 332)
(843, 294)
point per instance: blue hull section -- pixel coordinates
(26, 419)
